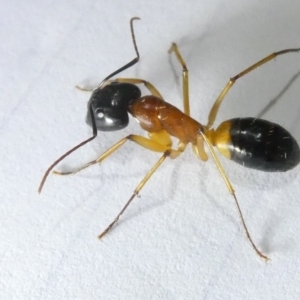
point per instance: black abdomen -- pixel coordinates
(261, 145)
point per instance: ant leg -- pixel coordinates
(152, 144)
(231, 191)
(84, 89)
(173, 154)
(185, 78)
(136, 192)
(98, 160)
(215, 107)
(159, 142)
(147, 84)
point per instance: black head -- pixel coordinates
(110, 105)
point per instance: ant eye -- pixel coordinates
(100, 114)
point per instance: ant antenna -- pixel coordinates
(130, 64)
(90, 109)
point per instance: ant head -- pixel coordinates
(110, 105)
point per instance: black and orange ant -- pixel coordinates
(251, 142)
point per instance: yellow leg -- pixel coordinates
(150, 144)
(161, 137)
(231, 191)
(147, 84)
(140, 140)
(215, 108)
(157, 143)
(136, 191)
(199, 150)
(84, 89)
(185, 78)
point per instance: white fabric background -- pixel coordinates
(182, 239)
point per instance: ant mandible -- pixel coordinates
(252, 142)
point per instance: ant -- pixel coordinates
(251, 142)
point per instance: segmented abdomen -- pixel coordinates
(258, 144)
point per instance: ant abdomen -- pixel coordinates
(110, 105)
(257, 144)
